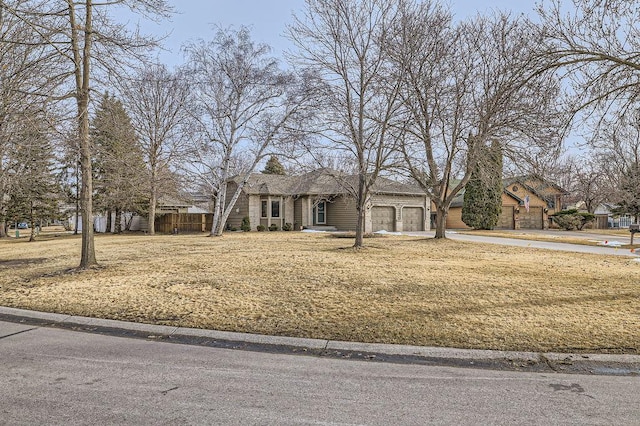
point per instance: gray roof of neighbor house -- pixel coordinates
(321, 182)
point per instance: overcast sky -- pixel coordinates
(268, 19)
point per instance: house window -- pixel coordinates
(275, 209)
(263, 210)
(321, 208)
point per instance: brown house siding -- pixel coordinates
(454, 219)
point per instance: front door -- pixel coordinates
(320, 213)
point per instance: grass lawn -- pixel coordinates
(406, 290)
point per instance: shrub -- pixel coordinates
(260, 228)
(571, 220)
(246, 224)
(287, 227)
(233, 229)
(273, 227)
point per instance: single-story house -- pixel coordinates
(321, 200)
(606, 219)
(527, 203)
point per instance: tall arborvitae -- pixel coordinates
(274, 167)
(483, 193)
(119, 169)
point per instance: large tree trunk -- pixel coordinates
(441, 222)
(88, 256)
(3, 228)
(221, 213)
(82, 73)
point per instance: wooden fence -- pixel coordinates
(183, 222)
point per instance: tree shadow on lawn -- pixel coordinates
(13, 263)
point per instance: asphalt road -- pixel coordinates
(54, 376)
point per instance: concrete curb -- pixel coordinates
(518, 361)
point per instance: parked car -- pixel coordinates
(21, 225)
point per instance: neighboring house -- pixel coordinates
(527, 203)
(319, 200)
(136, 222)
(606, 219)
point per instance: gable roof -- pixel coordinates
(458, 200)
(320, 182)
(536, 184)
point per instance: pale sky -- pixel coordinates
(268, 19)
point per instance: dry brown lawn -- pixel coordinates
(404, 290)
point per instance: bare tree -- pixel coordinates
(79, 35)
(595, 45)
(158, 103)
(464, 87)
(244, 105)
(343, 41)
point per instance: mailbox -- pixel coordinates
(633, 228)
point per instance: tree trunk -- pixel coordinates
(117, 228)
(32, 234)
(82, 73)
(75, 226)
(153, 200)
(3, 228)
(109, 225)
(218, 214)
(361, 208)
(441, 222)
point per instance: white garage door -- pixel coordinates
(383, 218)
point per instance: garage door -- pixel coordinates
(412, 219)
(383, 218)
(505, 221)
(531, 219)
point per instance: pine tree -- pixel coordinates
(483, 193)
(629, 194)
(274, 167)
(34, 197)
(119, 169)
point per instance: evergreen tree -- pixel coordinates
(274, 167)
(629, 195)
(34, 196)
(119, 168)
(483, 193)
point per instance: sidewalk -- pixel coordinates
(515, 361)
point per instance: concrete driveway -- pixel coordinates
(576, 248)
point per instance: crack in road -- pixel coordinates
(18, 332)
